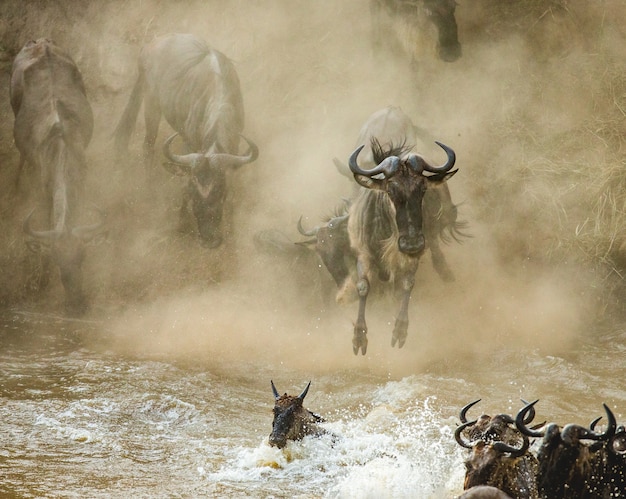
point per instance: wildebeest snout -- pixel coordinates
(411, 244)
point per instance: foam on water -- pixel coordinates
(397, 447)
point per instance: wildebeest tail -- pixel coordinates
(126, 124)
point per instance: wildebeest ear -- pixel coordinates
(317, 417)
(368, 182)
(440, 178)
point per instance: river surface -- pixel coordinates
(83, 415)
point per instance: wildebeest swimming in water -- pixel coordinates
(406, 21)
(197, 90)
(499, 457)
(576, 462)
(291, 420)
(53, 126)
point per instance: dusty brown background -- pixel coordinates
(535, 110)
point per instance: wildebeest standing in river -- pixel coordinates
(197, 90)
(406, 21)
(386, 225)
(53, 126)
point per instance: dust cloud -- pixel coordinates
(532, 110)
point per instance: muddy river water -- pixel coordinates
(84, 416)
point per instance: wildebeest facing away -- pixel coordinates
(197, 90)
(291, 420)
(386, 225)
(569, 468)
(53, 126)
(405, 21)
(497, 459)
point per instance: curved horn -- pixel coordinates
(310, 233)
(39, 234)
(463, 413)
(235, 160)
(274, 390)
(188, 160)
(610, 429)
(459, 430)
(447, 166)
(531, 412)
(304, 392)
(514, 452)
(388, 166)
(592, 425)
(521, 420)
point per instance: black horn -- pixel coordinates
(459, 430)
(445, 167)
(274, 390)
(513, 451)
(304, 392)
(521, 420)
(463, 413)
(388, 166)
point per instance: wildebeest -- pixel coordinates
(53, 126)
(197, 90)
(291, 420)
(568, 466)
(330, 240)
(500, 457)
(484, 492)
(405, 21)
(386, 225)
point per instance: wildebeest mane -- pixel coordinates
(383, 151)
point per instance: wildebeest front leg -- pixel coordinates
(439, 261)
(359, 340)
(401, 326)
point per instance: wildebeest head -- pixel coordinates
(66, 249)
(332, 244)
(291, 420)
(207, 184)
(565, 461)
(405, 181)
(441, 13)
(500, 456)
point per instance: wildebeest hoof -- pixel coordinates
(359, 341)
(399, 333)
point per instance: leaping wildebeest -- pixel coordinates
(291, 420)
(386, 224)
(405, 21)
(197, 90)
(53, 126)
(390, 125)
